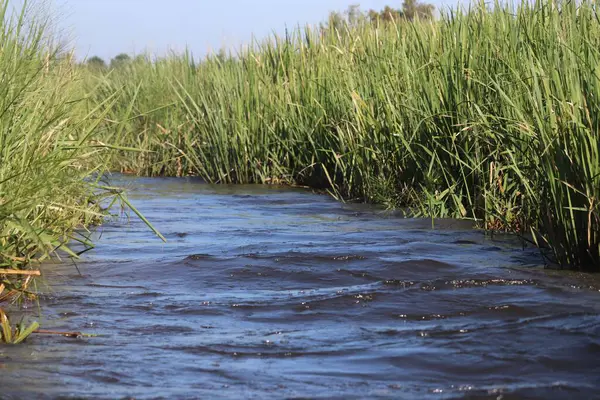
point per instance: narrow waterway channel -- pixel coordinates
(266, 292)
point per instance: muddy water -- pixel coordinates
(265, 292)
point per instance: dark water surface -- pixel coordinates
(265, 292)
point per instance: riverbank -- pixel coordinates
(489, 115)
(50, 190)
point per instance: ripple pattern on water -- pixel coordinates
(266, 292)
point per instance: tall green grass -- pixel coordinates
(489, 114)
(50, 165)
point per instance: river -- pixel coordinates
(270, 292)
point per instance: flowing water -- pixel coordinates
(265, 292)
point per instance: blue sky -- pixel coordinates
(108, 27)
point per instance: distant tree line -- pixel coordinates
(98, 63)
(410, 10)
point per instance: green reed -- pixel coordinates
(489, 114)
(50, 162)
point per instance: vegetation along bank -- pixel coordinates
(50, 162)
(489, 114)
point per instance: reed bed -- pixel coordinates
(50, 163)
(489, 114)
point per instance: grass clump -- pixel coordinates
(48, 185)
(489, 114)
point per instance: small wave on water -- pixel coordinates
(266, 292)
